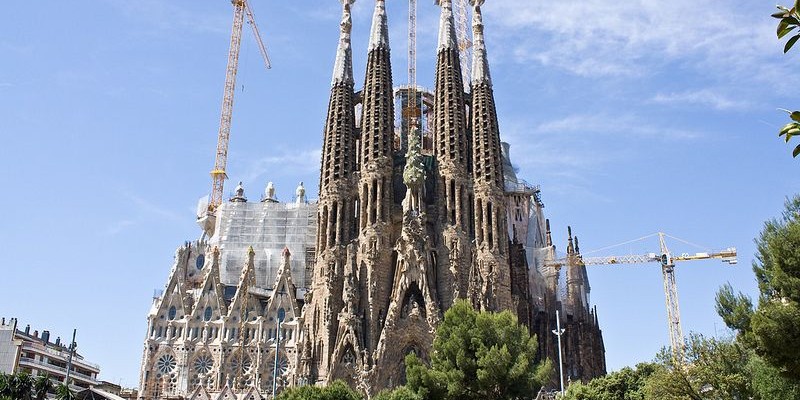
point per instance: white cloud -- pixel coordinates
(611, 38)
(169, 16)
(284, 162)
(703, 97)
(626, 125)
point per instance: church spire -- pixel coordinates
(376, 193)
(480, 65)
(452, 151)
(447, 29)
(379, 34)
(343, 68)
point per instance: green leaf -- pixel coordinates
(780, 15)
(796, 4)
(785, 30)
(795, 115)
(781, 27)
(790, 43)
(786, 128)
(796, 151)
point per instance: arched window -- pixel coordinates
(201, 260)
(207, 314)
(171, 313)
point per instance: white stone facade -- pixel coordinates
(213, 330)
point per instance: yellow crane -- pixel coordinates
(241, 9)
(667, 261)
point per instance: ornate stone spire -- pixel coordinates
(343, 67)
(447, 28)
(378, 104)
(453, 189)
(480, 65)
(379, 34)
(338, 148)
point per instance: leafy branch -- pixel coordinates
(789, 21)
(791, 129)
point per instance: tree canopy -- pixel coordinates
(625, 384)
(479, 355)
(337, 390)
(772, 328)
(22, 386)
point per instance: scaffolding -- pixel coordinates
(268, 227)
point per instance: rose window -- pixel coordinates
(166, 364)
(240, 363)
(203, 364)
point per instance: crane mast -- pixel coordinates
(218, 174)
(667, 261)
(411, 111)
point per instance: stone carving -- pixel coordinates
(413, 174)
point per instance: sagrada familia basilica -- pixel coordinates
(411, 216)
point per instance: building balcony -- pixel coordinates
(56, 370)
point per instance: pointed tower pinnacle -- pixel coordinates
(480, 65)
(343, 67)
(570, 246)
(379, 33)
(447, 28)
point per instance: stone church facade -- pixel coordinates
(407, 222)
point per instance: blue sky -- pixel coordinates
(633, 116)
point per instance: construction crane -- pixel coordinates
(241, 8)
(464, 41)
(411, 112)
(667, 261)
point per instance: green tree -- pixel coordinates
(714, 369)
(479, 355)
(63, 392)
(399, 393)
(773, 328)
(21, 386)
(337, 390)
(625, 384)
(41, 386)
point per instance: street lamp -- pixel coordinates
(72, 347)
(558, 332)
(281, 316)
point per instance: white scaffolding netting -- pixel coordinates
(268, 227)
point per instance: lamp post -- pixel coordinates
(558, 332)
(281, 316)
(72, 347)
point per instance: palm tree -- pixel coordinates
(41, 386)
(21, 386)
(5, 386)
(63, 392)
